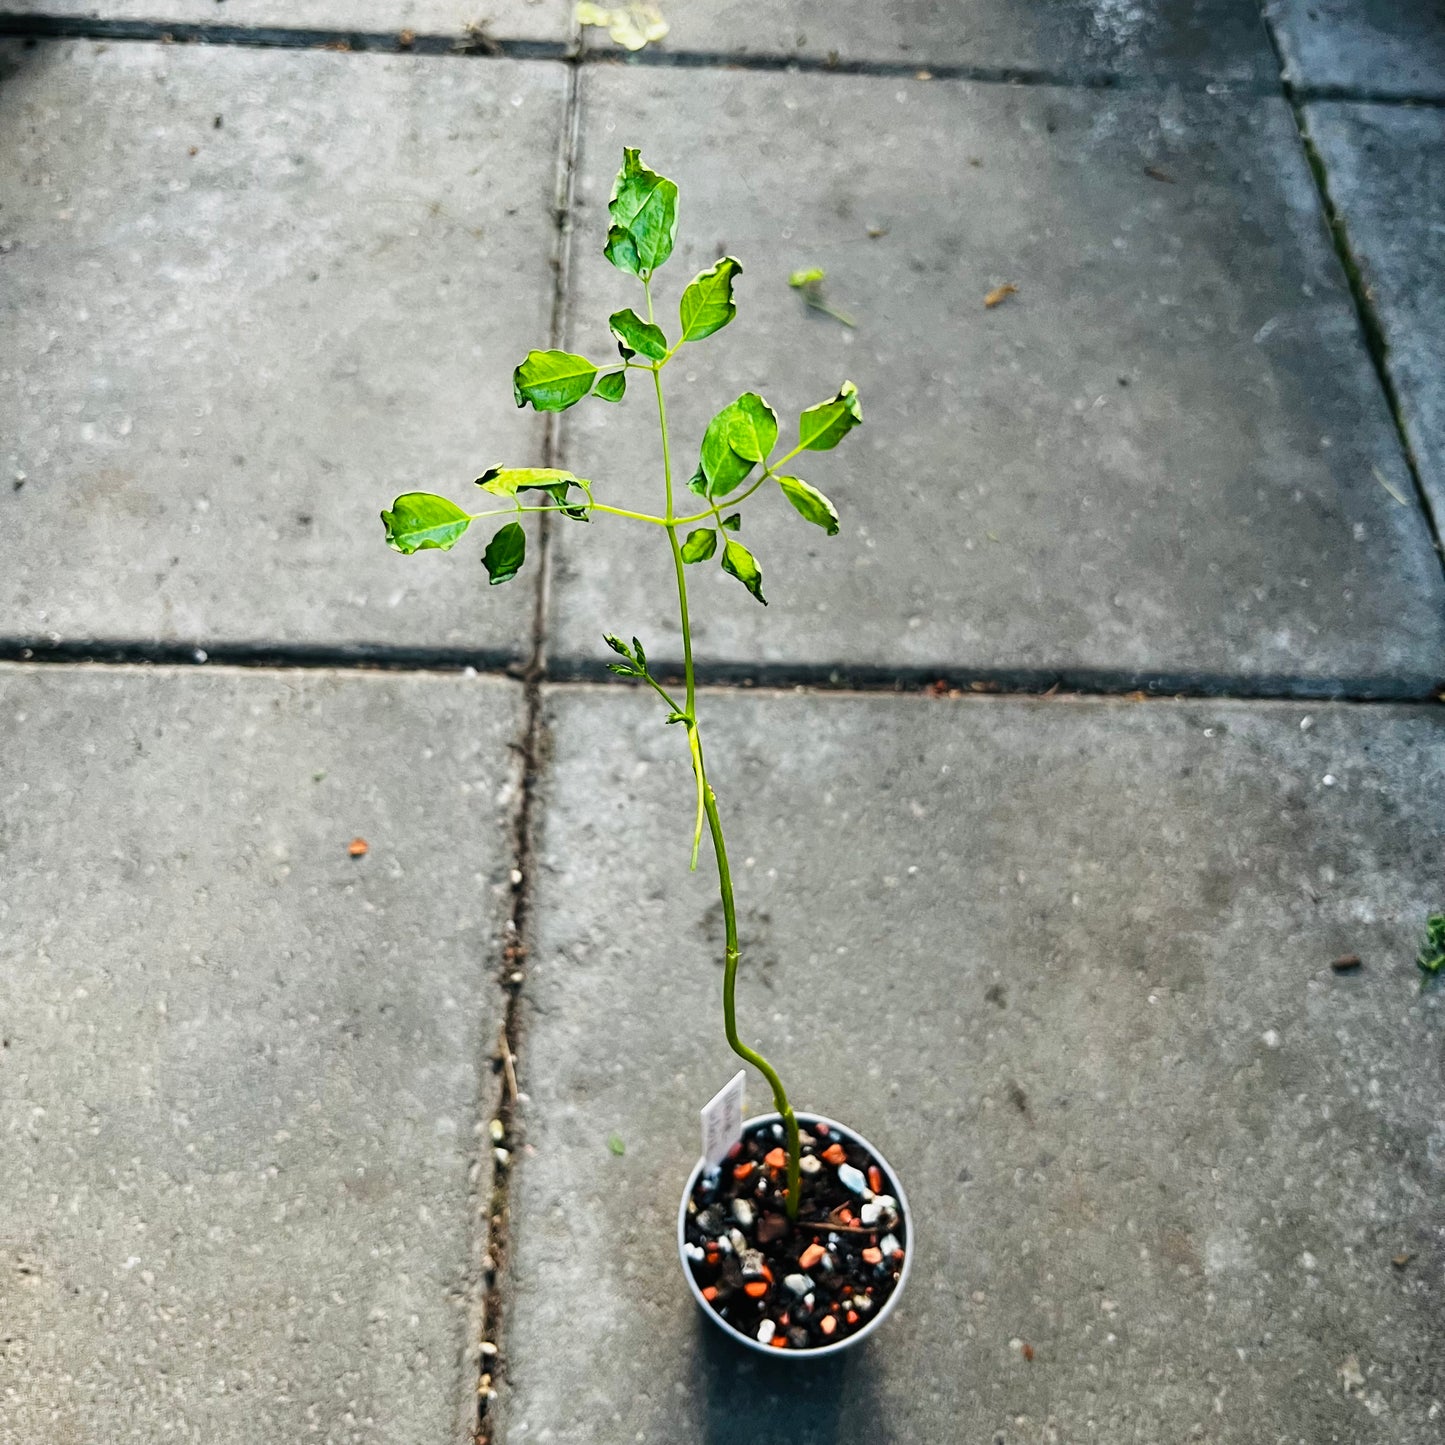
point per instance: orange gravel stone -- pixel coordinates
(834, 1154)
(710, 1293)
(875, 1179)
(743, 1170)
(779, 1342)
(776, 1158)
(756, 1288)
(872, 1256)
(811, 1256)
(851, 1317)
(828, 1324)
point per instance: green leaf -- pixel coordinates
(505, 553)
(737, 438)
(508, 481)
(700, 545)
(622, 669)
(733, 522)
(753, 430)
(420, 520)
(612, 385)
(678, 717)
(810, 503)
(616, 1144)
(822, 427)
(636, 335)
(552, 380)
(639, 654)
(644, 218)
(616, 644)
(707, 305)
(1431, 958)
(740, 563)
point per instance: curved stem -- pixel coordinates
(730, 975)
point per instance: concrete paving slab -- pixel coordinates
(1068, 964)
(1186, 38)
(241, 1071)
(1373, 47)
(1386, 170)
(251, 296)
(1156, 460)
(500, 19)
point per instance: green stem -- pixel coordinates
(730, 1019)
(708, 803)
(591, 507)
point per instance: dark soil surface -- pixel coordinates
(805, 1285)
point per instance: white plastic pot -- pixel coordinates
(858, 1336)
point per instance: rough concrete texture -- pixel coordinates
(242, 1071)
(1386, 169)
(1186, 38)
(1374, 47)
(1155, 461)
(290, 286)
(1068, 965)
(501, 19)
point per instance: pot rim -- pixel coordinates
(858, 1336)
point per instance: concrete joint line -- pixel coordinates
(64, 27)
(1376, 342)
(492, 1360)
(821, 681)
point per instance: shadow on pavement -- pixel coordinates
(746, 1398)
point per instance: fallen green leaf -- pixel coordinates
(632, 25)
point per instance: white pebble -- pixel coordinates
(810, 1164)
(851, 1179)
(743, 1213)
(739, 1243)
(888, 1245)
(766, 1331)
(870, 1213)
(800, 1284)
(695, 1252)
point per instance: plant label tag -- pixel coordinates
(722, 1121)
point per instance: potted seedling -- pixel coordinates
(793, 1232)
